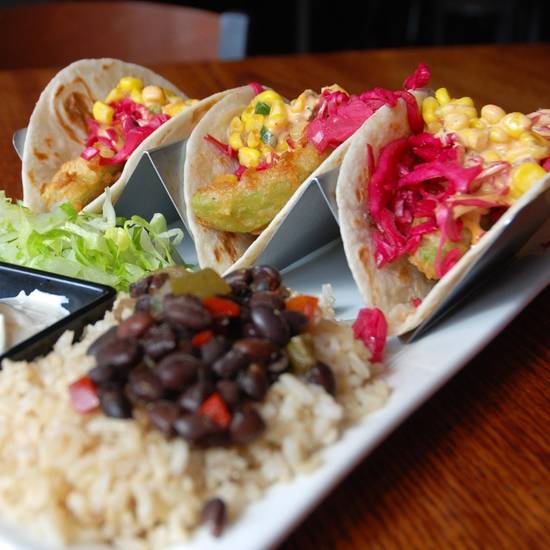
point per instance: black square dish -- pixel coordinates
(87, 303)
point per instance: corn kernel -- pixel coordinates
(489, 155)
(129, 83)
(102, 112)
(297, 105)
(515, 124)
(275, 122)
(492, 113)
(235, 141)
(191, 102)
(478, 123)
(467, 110)
(282, 146)
(278, 108)
(267, 96)
(255, 122)
(472, 138)
(498, 135)
(116, 94)
(249, 157)
(429, 105)
(253, 140)
(153, 94)
(463, 101)
(524, 176)
(433, 127)
(135, 95)
(172, 109)
(442, 96)
(455, 121)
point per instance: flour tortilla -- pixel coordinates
(393, 287)
(58, 129)
(222, 250)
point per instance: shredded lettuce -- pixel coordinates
(102, 248)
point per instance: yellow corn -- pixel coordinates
(515, 124)
(429, 105)
(489, 155)
(135, 95)
(478, 123)
(442, 96)
(191, 102)
(153, 94)
(253, 140)
(172, 109)
(249, 157)
(473, 138)
(235, 141)
(236, 125)
(278, 108)
(282, 146)
(102, 112)
(129, 83)
(455, 121)
(498, 135)
(433, 127)
(492, 113)
(275, 122)
(524, 176)
(116, 94)
(267, 96)
(255, 122)
(463, 101)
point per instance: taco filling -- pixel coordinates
(277, 145)
(433, 195)
(117, 126)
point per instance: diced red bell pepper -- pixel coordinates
(222, 307)
(216, 409)
(304, 304)
(83, 395)
(415, 302)
(201, 338)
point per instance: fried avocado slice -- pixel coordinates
(424, 257)
(248, 205)
(79, 182)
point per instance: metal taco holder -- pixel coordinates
(309, 231)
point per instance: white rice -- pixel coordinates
(70, 478)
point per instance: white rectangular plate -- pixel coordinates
(415, 372)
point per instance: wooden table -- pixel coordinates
(470, 468)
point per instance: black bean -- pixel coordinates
(107, 373)
(119, 353)
(159, 340)
(229, 364)
(213, 349)
(135, 326)
(214, 515)
(271, 325)
(188, 311)
(322, 374)
(141, 287)
(192, 398)
(104, 339)
(163, 414)
(143, 303)
(230, 392)
(253, 382)
(267, 298)
(145, 384)
(265, 277)
(194, 427)
(157, 280)
(279, 365)
(297, 321)
(246, 425)
(239, 280)
(177, 370)
(187, 347)
(248, 329)
(114, 403)
(258, 349)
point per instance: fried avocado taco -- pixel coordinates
(90, 126)
(252, 155)
(416, 208)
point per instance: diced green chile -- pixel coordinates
(262, 108)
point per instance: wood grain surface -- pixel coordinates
(471, 468)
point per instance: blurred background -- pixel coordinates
(43, 33)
